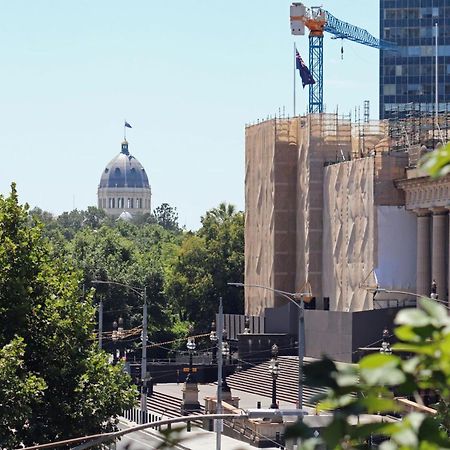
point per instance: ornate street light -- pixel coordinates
(247, 325)
(293, 297)
(274, 370)
(120, 328)
(191, 347)
(433, 293)
(114, 337)
(213, 338)
(385, 344)
(225, 354)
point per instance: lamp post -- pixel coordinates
(191, 347)
(213, 338)
(385, 344)
(114, 338)
(226, 391)
(116, 335)
(141, 293)
(292, 297)
(274, 371)
(247, 325)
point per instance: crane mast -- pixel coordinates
(319, 20)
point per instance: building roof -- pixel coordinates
(124, 171)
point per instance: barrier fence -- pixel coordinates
(140, 417)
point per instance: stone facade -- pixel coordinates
(429, 199)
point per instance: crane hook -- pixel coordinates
(342, 49)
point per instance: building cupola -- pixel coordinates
(124, 186)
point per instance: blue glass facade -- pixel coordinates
(407, 77)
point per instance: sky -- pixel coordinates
(188, 76)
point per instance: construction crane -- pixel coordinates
(318, 20)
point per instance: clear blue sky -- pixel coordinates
(187, 75)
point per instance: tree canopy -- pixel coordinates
(54, 382)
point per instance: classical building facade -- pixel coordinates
(429, 200)
(124, 186)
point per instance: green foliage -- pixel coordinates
(167, 217)
(437, 163)
(20, 391)
(49, 363)
(204, 264)
(367, 388)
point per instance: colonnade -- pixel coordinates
(433, 251)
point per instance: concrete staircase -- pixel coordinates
(257, 380)
(166, 405)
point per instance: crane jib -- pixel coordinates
(344, 30)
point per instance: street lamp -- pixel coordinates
(292, 297)
(274, 371)
(213, 338)
(385, 344)
(114, 337)
(142, 293)
(191, 347)
(247, 325)
(226, 354)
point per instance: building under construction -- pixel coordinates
(339, 207)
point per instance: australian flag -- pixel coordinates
(305, 74)
(127, 124)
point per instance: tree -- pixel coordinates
(48, 357)
(437, 163)
(204, 264)
(167, 217)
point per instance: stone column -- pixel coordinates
(423, 252)
(438, 252)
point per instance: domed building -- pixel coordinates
(124, 186)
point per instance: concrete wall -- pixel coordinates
(339, 334)
(336, 334)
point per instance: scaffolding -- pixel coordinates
(416, 131)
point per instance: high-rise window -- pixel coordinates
(407, 77)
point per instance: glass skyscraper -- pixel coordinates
(407, 77)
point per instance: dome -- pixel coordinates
(124, 171)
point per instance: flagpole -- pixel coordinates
(124, 130)
(295, 66)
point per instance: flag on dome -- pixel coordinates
(305, 74)
(127, 124)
